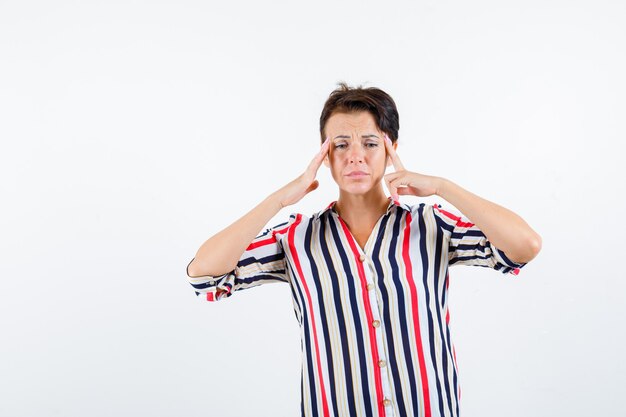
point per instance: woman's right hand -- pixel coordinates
(305, 183)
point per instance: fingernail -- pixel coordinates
(387, 138)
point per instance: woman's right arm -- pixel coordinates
(220, 253)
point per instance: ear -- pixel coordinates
(326, 162)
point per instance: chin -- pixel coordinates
(356, 188)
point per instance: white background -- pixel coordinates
(133, 131)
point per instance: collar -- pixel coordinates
(392, 203)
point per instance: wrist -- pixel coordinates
(441, 184)
(275, 201)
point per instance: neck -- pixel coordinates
(362, 208)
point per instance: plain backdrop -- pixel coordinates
(133, 131)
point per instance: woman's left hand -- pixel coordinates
(403, 182)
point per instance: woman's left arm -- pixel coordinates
(505, 229)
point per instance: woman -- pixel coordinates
(368, 274)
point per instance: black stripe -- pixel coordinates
(307, 342)
(301, 386)
(471, 246)
(297, 309)
(261, 277)
(469, 258)
(392, 362)
(400, 290)
(466, 232)
(341, 321)
(445, 354)
(278, 226)
(454, 370)
(264, 260)
(455, 382)
(441, 222)
(506, 259)
(423, 236)
(350, 279)
(323, 319)
(239, 281)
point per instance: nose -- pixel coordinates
(355, 155)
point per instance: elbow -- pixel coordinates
(530, 251)
(192, 269)
(536, 245)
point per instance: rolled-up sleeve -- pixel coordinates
(262, 262)
(468, 245)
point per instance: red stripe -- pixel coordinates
(260, 243)
(418, 337)
(370, 319)
(453, 217)
(209, 296)
(267, 241)
(292, 247)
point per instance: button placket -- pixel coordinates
(376, 323)
(368, 274)
(378, 332)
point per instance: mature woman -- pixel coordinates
(368, 274)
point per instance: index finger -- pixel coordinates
(319, 157)
(395, 159)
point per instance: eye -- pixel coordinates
(368, 145)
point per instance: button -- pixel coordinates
(382, 364)
(370, 287)
(387, 401)
(362, 258)
(376, 323)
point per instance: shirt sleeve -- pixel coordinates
(262, 262)
(468, 245)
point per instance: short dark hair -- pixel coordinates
(346, 99)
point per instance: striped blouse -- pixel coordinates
(374, 321)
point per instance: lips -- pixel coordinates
(357, 174)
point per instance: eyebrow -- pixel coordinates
(369, 136)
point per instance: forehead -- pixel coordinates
(361, 120)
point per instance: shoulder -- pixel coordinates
(295, 219)
(422, 209)
(432, 212)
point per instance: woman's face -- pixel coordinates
(356, 144)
